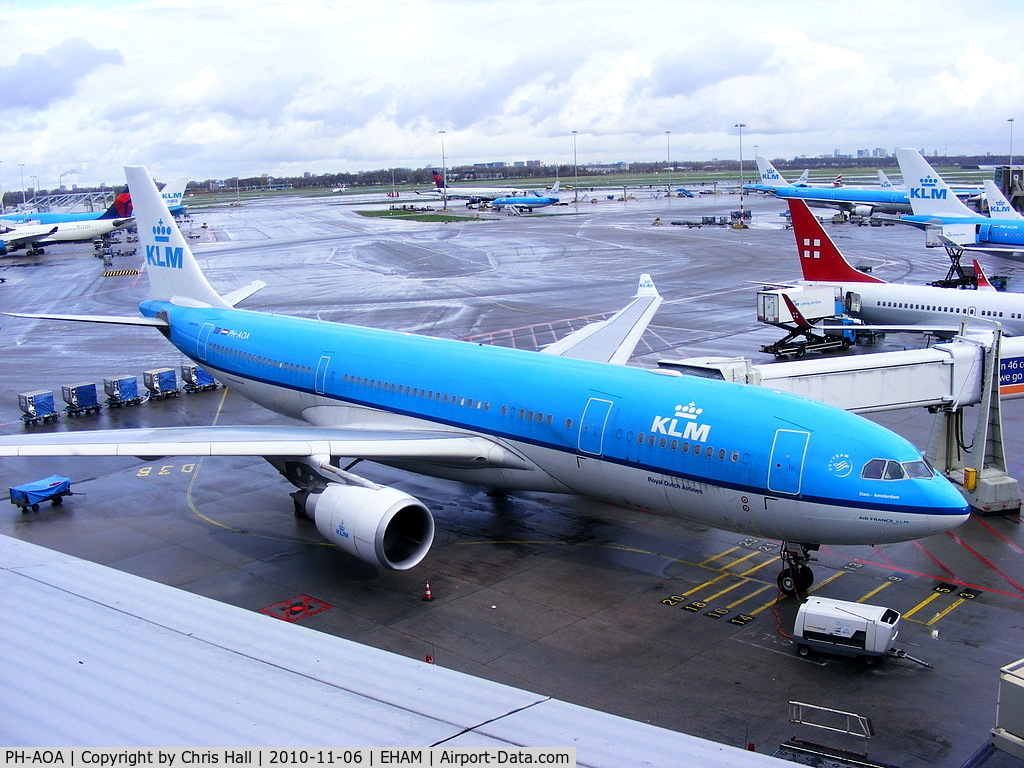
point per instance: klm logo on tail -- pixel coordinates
(928, 190)
(771, 175)
(172, 257)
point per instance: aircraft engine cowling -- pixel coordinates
(380, 525)
(863, 210)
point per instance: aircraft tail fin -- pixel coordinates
(838, 181)
(554, 188)
(820, 260)
(998, 206)
(798, 316)
(929, 194)
(173, 192)
(121, 208)
(982, 278)
(174, 273)
(769, 176)
(802, 181)
(438, 180)
(883, 180)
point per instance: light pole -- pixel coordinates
(668, 161)
(22, 167)
(444, 177)
(1010, 121)
(741, 126)
(575, 172)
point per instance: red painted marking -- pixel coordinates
(985, 560)
(296, 608)
(940, 578)
(997, 534)
(932, 558)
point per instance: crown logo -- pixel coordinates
(929, 181)
(690, 411)
(161, 233)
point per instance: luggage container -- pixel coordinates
(161, 383)
(37, 406)
(197, 379)
(122, 390)
(80, 398)
(30, 495)
(845, 628)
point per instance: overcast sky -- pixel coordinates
(218, 88)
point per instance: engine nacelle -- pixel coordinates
(864, 211)
(379, 525)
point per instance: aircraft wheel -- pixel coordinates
(795, 580)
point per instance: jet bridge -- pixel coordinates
(979, 367)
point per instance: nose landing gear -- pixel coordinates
(796, 576)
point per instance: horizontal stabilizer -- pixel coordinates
(243, 293)
(153, 322)
(612, 340)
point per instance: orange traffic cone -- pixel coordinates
(427, 595)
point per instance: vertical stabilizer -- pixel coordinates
(174, 273)
(998, 206)
(769, 176)
(820, 260)
(929, 195)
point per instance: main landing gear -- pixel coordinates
(796, 576)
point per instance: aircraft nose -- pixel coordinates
(951, 509)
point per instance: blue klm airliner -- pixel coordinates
(573, 418)
(935, 204)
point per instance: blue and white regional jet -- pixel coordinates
(121, 208)
(573, 418)
(935, 204)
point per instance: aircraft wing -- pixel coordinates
(383, 445)
(612, 340)
(154, 322)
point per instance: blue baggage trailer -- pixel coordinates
(197, 379)
(122, 390)
(81, 399)
(161, 383)
(37, 407)
(30, 495)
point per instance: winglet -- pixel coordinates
(820, 260)
(798, 316)
(982, 278)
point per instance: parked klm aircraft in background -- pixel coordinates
(527, 202)
(570, 419)
(998, 206)
(472, 194)
(936, 207)
(897, 306)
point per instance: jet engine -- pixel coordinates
(379, 525)
(862, 210)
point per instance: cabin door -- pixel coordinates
(786, 469)
(592, 424)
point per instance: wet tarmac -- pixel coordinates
(628, 612)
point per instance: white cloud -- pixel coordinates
(215, 88)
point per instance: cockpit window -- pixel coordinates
(887, 469)
(918, 469)
(873, 469)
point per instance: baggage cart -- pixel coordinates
(37, 407)
(161, 383)
(30, 495)
(122, 390)
(81, 399)
(197, 379)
